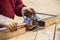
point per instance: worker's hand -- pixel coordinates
(12, 27)
(28, 11)
(8, 23)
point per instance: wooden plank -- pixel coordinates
(46, 34)
(57, 34)
(7, 34)
(49, 21)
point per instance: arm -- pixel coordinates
(18, 7)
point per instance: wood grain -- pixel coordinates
(49, 21)
(7, 34)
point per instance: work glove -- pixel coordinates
(8, 23)
(28, 11)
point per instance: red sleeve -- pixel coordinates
(19, 5)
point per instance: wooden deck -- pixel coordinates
(39, 34)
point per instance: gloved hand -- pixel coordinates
(28, 11)
(8, 23)
(12, 27)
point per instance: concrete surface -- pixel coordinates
(43, 6)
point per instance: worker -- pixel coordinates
(8, 9)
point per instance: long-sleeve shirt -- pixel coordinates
(10, 7)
